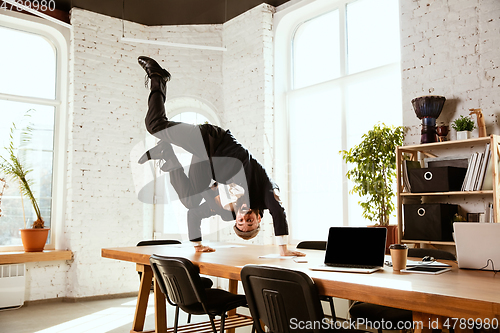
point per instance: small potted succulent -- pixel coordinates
(464, 127)
(14, 167)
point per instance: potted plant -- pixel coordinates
(14, 166)
(463, 126)
(373, 172)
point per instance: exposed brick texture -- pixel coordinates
(449, 48)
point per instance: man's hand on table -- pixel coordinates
(284, 251)
(203, 248)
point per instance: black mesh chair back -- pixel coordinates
(312, 245)
(277, 295)
(158, 242)
(179, 280)
(207, 283)
(436, 254)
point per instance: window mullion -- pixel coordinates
(30, 100)
(343, 40)
(343, 116)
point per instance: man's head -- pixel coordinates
(247, 224)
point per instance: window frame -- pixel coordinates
(287, 21)
(59, 38)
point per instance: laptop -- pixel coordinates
(477, 245)
(354, 250)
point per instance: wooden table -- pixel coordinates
(456, 294)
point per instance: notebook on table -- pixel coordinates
(354, 249)
(478, 245)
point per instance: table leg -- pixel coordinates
(142, 299)
(233, 288)
(160, 310)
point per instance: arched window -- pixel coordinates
(33, 62)
(341, 76)
(171, 215)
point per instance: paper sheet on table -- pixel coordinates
(276, 256)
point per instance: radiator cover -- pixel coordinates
(12, 285)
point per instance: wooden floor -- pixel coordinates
(113, 316)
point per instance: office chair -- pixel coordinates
(207, 283)
(157, 242)
(374, 312)
(312, 245)
(436, 254)
(180, 281)
(319, 245)
(281, 297)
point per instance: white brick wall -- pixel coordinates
(450, 48)
(195, 73)
(106, 115)
(248, 93)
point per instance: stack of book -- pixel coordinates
(477, 171)
(407, 165)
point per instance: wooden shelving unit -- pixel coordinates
(434, 150)
(488, 192)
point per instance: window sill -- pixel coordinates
(22, 257)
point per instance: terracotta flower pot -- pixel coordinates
(34, 239)
(392, 235)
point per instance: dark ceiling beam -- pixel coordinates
(167, 12)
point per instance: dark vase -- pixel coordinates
(428, 108)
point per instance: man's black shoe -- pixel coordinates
(164, 152)
(154, 153)
(152, 68)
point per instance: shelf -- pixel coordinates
(426, 242)
(22, 257)
(487, 192)
(444, 145)
(449, 149)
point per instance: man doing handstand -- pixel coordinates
(218, 158)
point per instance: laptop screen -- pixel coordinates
(356, 246)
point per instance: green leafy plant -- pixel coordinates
(463, 124)
(15, 167)
(374, 170)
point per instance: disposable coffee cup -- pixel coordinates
(399, 253)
